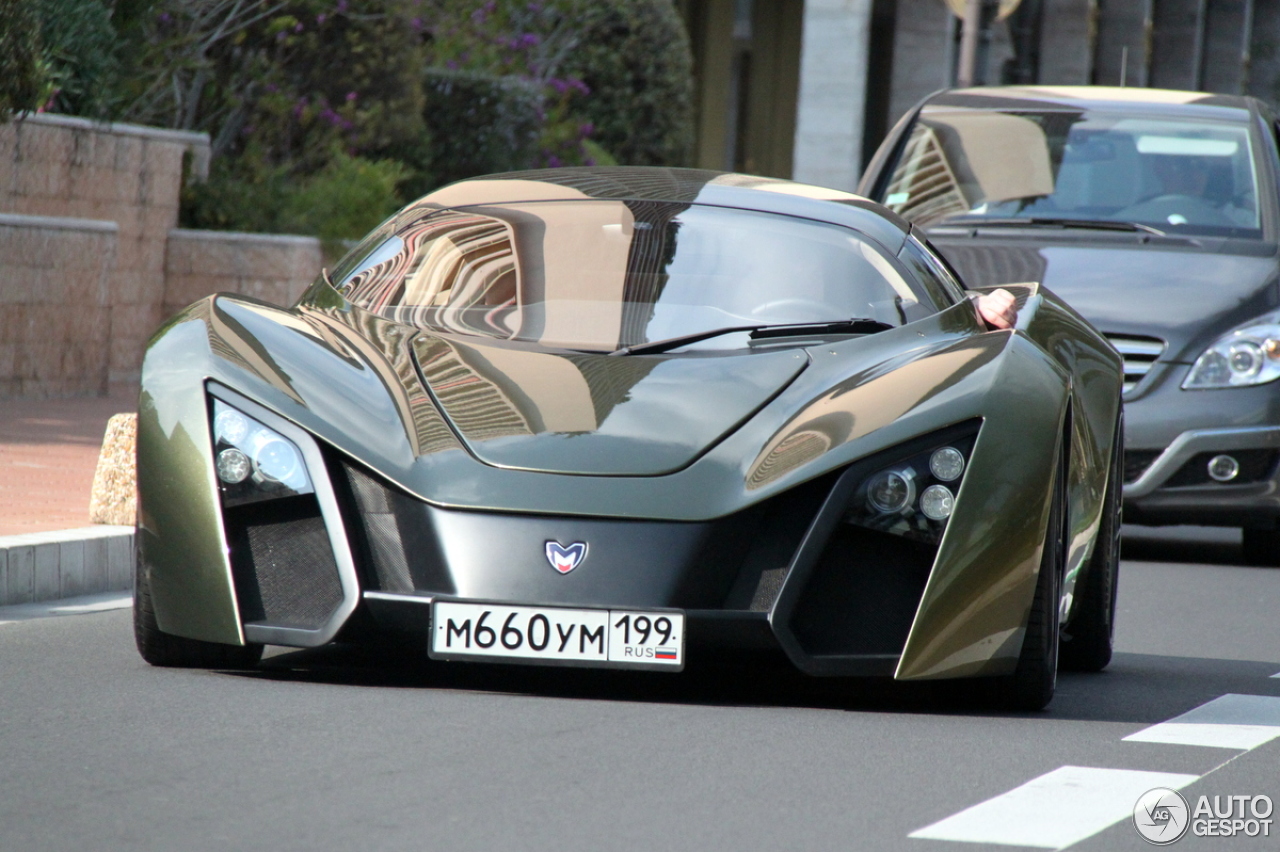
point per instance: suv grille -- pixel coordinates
(1139, 354)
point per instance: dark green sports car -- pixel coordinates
(616, 417)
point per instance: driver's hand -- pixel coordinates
(997, 308)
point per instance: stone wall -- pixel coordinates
(55, 313)
(269, 267)
(60, 166)
(91, 260)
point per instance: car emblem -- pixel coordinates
(565, 559)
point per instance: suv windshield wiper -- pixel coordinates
(759, 332)
(1053, 222)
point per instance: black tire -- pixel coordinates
(1087, 637)
(1261, 547)
(1032, 683)
(164, 649)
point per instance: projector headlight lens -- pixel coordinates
(276, 460)
(891, 492)
(254, 461)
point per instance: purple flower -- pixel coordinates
(585, 130)
(416, 23)
(529, 40)
(341, 8)
(580, 86)
(320, 18)
(451, 64)
(297, 28)
(164, 17)
(559, 85)
(554, 162)
(351, 96)
(591, 161)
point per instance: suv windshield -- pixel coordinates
(1180, 176)
(602, 275)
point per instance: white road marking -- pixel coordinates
(1055, 810)
(1230, 721)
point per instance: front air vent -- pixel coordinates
(1139, 354)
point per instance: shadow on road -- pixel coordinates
(1204, 545)
(1136, 688)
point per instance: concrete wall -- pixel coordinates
(61, 166)
(91, 260)
(55, 307)
(266, 266)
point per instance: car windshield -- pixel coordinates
(601, 275)
(1180, 176)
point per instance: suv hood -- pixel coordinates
(1183, 296)
(596, 414)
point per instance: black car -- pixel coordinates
(1154, 214)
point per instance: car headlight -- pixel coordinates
(915, 496)
(253, 461)
(1246, 356)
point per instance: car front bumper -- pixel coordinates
(1170, 434)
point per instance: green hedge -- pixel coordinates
(480, 123)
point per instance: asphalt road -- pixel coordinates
(338, 750)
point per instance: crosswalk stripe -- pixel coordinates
(1229, 721)
(1055, 810)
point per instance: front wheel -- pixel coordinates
(1087, 639)
(164, 649)
(1032, 683)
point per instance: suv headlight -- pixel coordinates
(253, 461)
(1246, 356)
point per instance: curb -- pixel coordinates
(49, 566)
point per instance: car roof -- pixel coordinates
(1127, 99)
(677, 186)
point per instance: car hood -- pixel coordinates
(1183, 296)
(596, 414)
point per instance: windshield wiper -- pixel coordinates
(759, 332)
(1054, 222)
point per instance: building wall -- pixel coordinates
(833, 84)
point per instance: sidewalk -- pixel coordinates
(48, 453)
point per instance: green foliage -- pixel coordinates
(342, 201)
(56, 55)
(634, 56)
(615, 73)
(485, 123)
(23, 71)
(79, 43)
(301, 99)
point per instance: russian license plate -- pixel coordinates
(595, 637)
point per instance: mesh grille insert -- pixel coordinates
(285, 572)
